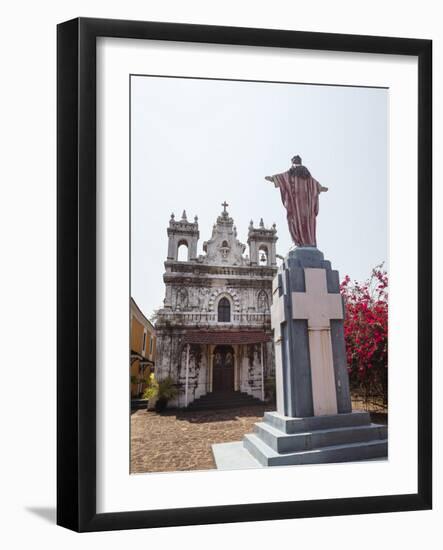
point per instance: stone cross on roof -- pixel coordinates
(224, 204)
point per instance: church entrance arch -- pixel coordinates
(223, 369)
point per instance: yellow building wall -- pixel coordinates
(137, 335)
(137, 331)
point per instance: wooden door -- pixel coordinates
(223, 369)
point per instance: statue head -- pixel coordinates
(297, 169)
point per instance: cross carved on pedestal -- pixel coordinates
(318, 307)
(316, 304)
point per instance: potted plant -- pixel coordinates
(151, 390)
(163, 391)
(166, 391)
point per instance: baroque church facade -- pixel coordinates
(214, 329)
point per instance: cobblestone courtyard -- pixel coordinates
(179, 440)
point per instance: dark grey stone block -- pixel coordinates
(280, 440)
(305, 441)
(297, 425)
(342, 389)
(297, 393)
(305, 256)
(335, 453)
(332, 280)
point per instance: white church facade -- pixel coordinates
(214, 329)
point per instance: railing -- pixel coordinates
(211, 318)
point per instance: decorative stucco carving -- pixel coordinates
(262, 302)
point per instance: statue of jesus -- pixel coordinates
(299, 194)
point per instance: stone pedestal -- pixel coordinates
(307, 319)
(281, 440)
(314, 422)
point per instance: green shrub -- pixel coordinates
(164, 390)
(151, 391)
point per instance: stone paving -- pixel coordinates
(181, 440)
(178, 440)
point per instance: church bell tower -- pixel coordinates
(261, 241)
(183, 232)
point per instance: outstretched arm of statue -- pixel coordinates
(272, 179)
(323, 189)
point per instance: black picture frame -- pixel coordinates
(76, 278)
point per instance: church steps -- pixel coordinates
(303, 441)
(334, 453)
(224, 401)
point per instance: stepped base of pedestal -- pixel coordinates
(283, 441)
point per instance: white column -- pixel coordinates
(187, 375)
(262, 374)
(240, 366)
(277, 318)
(208, 369)
(211, 364)
(235, 348)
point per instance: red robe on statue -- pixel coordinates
(300, 198)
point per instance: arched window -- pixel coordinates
(182, 251)
(224, 311)
(263, 255)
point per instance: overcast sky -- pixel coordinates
(197, 143)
